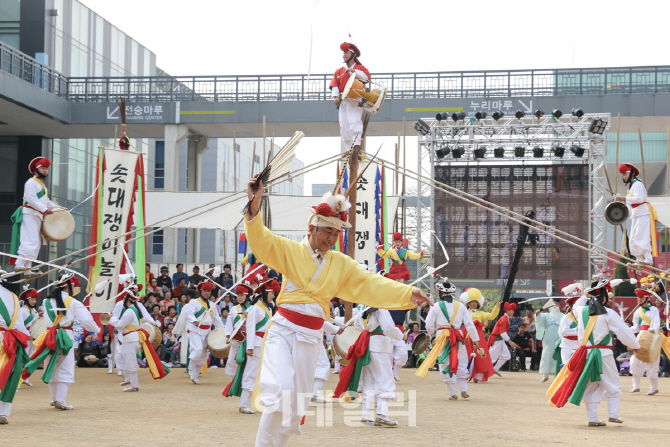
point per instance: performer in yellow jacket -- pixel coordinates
(313, 274)
(399, 255)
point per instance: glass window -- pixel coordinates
(157, 243)
(134, 58)
(159, 165)
(9, 153)
(99, 36)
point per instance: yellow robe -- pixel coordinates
(482, 316)
(341, 276)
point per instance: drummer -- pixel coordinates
(351, 123)
(127, 324)
(27, 219)
(258, 321)
(201, 314)
(645, 319)
(237, 312)
(29, 315)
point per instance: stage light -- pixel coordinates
(442, 116)
(538, 113)
(598, 126)
(519, 151)
(480, 152)
(422, 128)
(458, 116)
(558, 150)
(520, 114)
(538, 152)
(480, 115)
(577, 112)
(577, 150)
(442, 152)
(499, 152)
(556, 113)
(458, 152)
(497, 115)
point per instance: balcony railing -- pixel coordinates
(25, 67)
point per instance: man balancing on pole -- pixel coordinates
(351, 122)
(313, 275)
(642, 240)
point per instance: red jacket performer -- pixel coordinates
(498, 338)
(351, 123)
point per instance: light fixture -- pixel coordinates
(458, 116)
(480, 115)
(598, 126)
(520, 114)
(499, 152)
(497, 115)
(519, 151)
(577, 150)
(558, 150)
(556, 113)
(480, 152)
(538, 113)
(538, 152)
(442, 116)
(442, 152)
(458, 152)
(577, 112)
(422, 128)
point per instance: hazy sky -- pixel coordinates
(220, 37)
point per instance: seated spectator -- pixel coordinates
(196, 278)
(153, 288)
(209, 275)
(169, 341)
(225, 302)
(150, 302)
(226, 278)
(224, 315)
(166, 302)
(88, 355)
(172, 316)
(181, 287)
(180, 274)
(157, 315)
(147, 272)
(529, 321)
(164, 280)
(524, 345)
(411, 357)
(514, 323)
(624, 362)
(183, 301)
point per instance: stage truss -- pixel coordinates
(509, 133)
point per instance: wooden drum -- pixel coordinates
(650, 346)
(216, 343)
(58, 226)
(342, 342)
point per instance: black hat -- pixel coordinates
(165, 268)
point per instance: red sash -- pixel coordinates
(314, 323)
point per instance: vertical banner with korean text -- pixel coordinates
(366, 218)
(119, 173)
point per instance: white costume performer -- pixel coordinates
(645, 318)
(62, 375)
(399, 354)
(234, 316)
(567, 331)
(450, 316)
(258, 321)
(29, 315)
(607, 322)
(130, 313)
(35, 203)
(639, 209)
(547, 331)
(201, 316)
(499, 337)
(377, 376)
(10, 302)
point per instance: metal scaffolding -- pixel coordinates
(468, 141)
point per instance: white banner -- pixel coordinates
(116, 205)
(366, 220)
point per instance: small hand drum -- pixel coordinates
(616, 213)
(58, 226)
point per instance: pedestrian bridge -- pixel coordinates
(36, 100)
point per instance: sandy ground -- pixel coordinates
(173, 412)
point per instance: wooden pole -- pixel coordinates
(264, 163)
(644, 171)
(616, 167)
(667, 167)
(396, 219)
(235, 175)
(404, 163)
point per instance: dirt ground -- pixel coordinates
(173, 412)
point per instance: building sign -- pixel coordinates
(506, 105)
(146, 112)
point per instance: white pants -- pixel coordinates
(287, 376)
(399, 355)
(129, 359)
(351, 123)
(5, 409)
(322, 371)
(251, 370)
(231, 364)
(639, 240)
(29, 246)
(499, 353)
(378, 384)
(637, 369)
(462, 374)
(566, 353)
(197, 353)
(63, 376)
(609, 387)
(118, 352)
